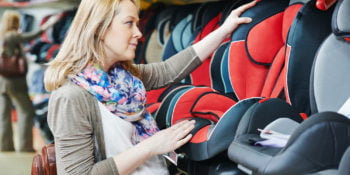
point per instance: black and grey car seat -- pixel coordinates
(318, 143)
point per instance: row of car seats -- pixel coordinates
(271, 57)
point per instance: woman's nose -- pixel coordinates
(138, 33)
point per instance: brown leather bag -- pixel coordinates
(14, 66)
(45, 163)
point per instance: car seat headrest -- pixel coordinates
(324, 4)
(341, 20)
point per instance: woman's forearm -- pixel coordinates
(208, 44)
(129, 160)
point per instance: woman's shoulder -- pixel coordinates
(69, 90)
(10, 35)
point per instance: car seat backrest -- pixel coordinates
(273, 84)
(162, 20)
(309, 30)
(200, 76)
(330, 82)
(181, 33)
(253, 48)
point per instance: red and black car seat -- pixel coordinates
(205, 142)
(257, 52)
(211, 18)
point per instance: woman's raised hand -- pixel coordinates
(234, 19)
(51, 21)
(208, 44)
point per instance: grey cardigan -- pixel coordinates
(74, 117)
(12, 41)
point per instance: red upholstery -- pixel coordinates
(247, 75)
(152, 108)
(251, 67)
(153, 95)
(50, 52)
(201, 75)
(274, 73)
(265, 39)
(211, 106)
(201, 135)
(186, 101)
(324, 4)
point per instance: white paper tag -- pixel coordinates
(345, 109)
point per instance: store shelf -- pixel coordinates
(41, 4)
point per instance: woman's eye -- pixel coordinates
(129, 22)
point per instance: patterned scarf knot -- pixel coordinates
(123, 95)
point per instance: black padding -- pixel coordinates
(318, 144)
(221, 136)
(260, 115)
(200, 123)
(308, 31)
(231, 5)
(205, 12)
(215, 69)
(317, 119)
(251, 157)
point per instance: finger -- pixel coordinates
(180, 123)
(238, 11)
(177, 125)
(185, 130)
(183, 141)
(186, 125)
(242, 20)
(183, 124)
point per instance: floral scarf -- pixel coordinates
(122, 93)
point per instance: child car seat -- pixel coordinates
(319, 142)
(206, 145)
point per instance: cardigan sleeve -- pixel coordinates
(70, 121)
(26, 37)
(173, 70)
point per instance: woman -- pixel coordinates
(14, 91)
(96, 110)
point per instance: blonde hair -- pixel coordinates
(83, 43)
(10, 22)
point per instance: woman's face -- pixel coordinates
(121, 39)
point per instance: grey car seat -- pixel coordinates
(319, 142)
